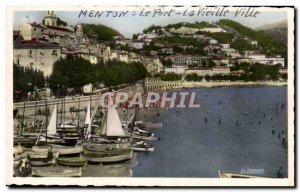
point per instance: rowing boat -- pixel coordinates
(105, 150)
(43, 156)
(110, 158)
(72, 162)
(63, 150)
(224, 174)
(57, 173)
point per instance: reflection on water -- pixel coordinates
(231, 131)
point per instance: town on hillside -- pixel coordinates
(55, 55)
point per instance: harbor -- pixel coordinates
(235, 130)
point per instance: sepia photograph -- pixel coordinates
(150, 96)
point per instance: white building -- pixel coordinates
(184, 30)
(152, 64)
(208, 71)
(213, 30)
(35, 54)
(137, 44)
(261, 58)
(178, 69)
(213, 41)
(225, 45)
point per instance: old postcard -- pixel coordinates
(150, 96)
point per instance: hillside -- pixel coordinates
(282, 24)
(101, 32)
(268, 45)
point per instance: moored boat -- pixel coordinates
(63, 150)
(57, 172)
(43, 156)
(73, 161)
(142, 147)
(110, 158)
(224, 174)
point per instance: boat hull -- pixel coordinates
(111, 159)
(57, 173)
(62, 150)
(72, 162)
(224, 174)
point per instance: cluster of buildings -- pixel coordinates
(39, 45)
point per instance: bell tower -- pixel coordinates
(50, 19)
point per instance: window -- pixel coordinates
(18, 61)
(42, 63)
(31, 64)
(30, 53)
(41, 54)
(54, 52)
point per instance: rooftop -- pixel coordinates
(34, 44)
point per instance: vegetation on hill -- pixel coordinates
(151, 28)
(198, 25)
(269, 47)
(221, 37)
(103, 32)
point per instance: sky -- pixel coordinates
(130, 24)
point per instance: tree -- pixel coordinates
(26, 79)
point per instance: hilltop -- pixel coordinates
(282, 24)
(100, 32)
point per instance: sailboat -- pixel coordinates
(117, 147)
(52, 137)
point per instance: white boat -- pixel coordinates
(224, 174)
(41, 156)
(118, 148)
(142, 136)
(110, 158)
(56, 172)
(138, 146)
(63, 150)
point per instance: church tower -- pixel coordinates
(50, 19)
(79, 33)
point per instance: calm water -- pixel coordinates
(192, 148)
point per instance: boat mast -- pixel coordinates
(64, 108)
(23, 118)
(78, 112)
(46, 113)
(35, 112)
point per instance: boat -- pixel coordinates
(142, 147)
(73, 161)
(110, 158)
(102, 149)
(42, 163)
(42, 156)
(62, 150)
(18, 150)
(26, 141)
(142, 136)
(112, 145)
(56, 172)
(224, 174)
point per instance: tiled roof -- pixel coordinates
(52, 35)
(58, 28)
(33, 44)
